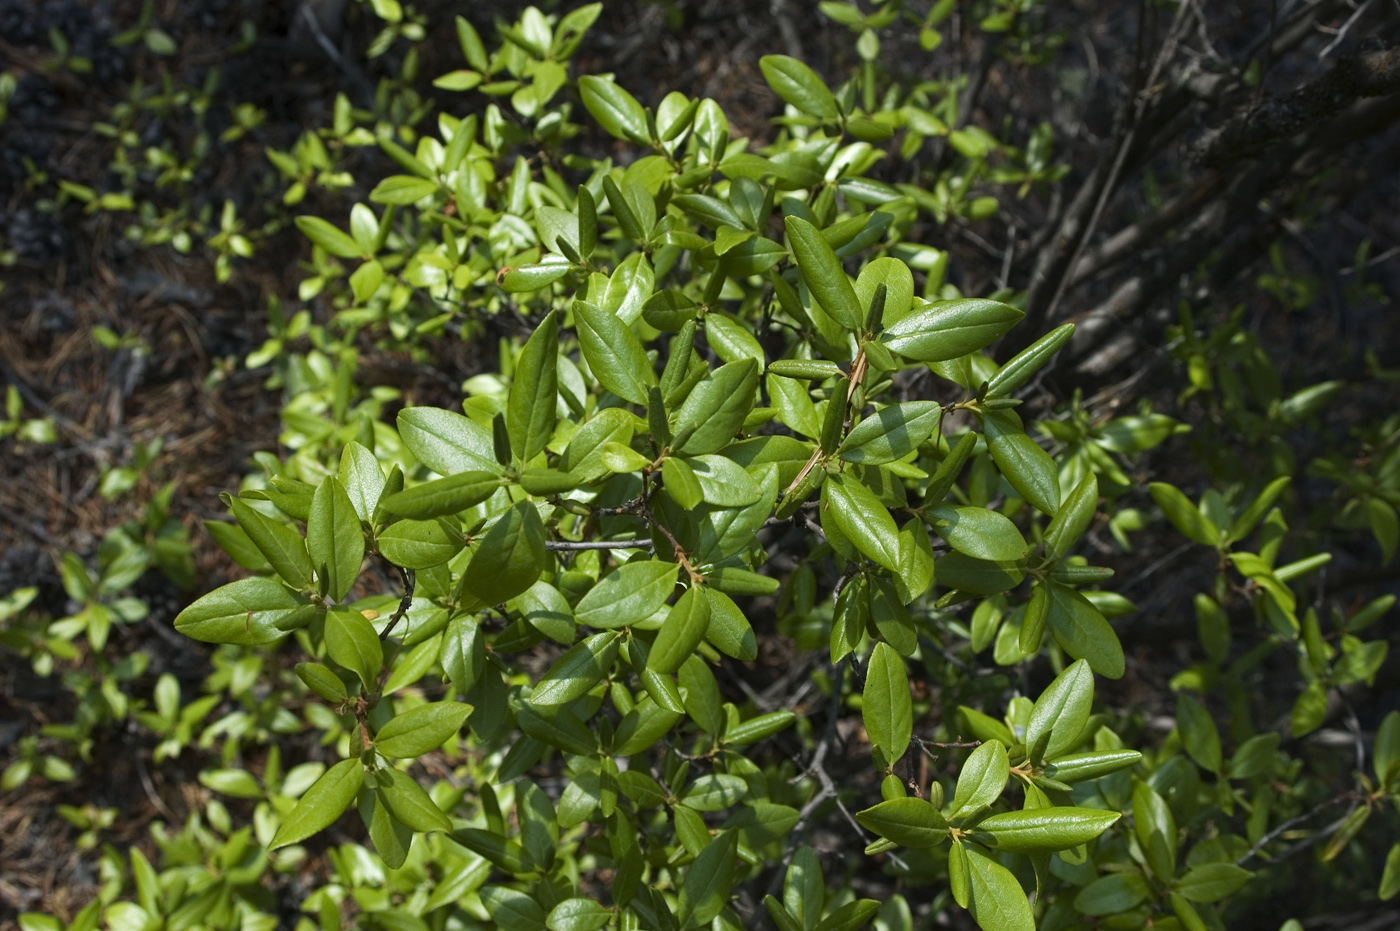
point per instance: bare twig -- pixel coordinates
(574, 546)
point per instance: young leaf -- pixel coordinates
(1198, 733)
(322, 804)
(246, 613)
(715, 409)
(982, 779)
(977, 532)
(799, 85)
(329, 238)
(1026, 362)
(421, 730)
(352, 642)
(1183, 514)
(615, 110)
(581, 667)
(1060, 713)
(334, 538)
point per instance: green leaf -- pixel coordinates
(1028, 468)
(681, 632)
(244, 613)
(707, 884)
(581, 667)
(578, 914)
(613, 352)
(995, 899)
(1111, 894)
(977, 532)
(1390, 878)
(408, 802)
(1060, 713)
(891, 433)
(1183, 514)
(886, 706)
(443, 496)
(329, 238)
(755, 729)
(525, 278)
(632, 593)
(1072, 519)
(1198, 733)
(1082, 631)
(681, 484)
(729, 630)
(1249, 518)
(862, 519)
(1028, 361)
(585, 454)
(352, 642)
(322, 681)
(715, 792)
(898, 282)
(616, 111)
(1156, 831)
(909, 822)
(1309, 710)
(509, 558)
(715, 409)
(402, 190)
(1046, 829)
(799, 85)
(822, 272)
(948, 329)
(334, 538)
(978, 576)
(1211, 882)
(1085, 766)
(420, 544)
(534, 394)
(280, 545)
(850, 916)
(446, 442)
(322, 804)
(982, 779)
(1385, 753)
(421, 730)
(723, 482)
(804, 889)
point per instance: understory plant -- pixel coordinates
(748, 588)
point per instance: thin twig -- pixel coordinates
(1299, 819)
(574, 546)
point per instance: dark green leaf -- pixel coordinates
(443, 496)
(1046, 829)
(509, 558)
(823, 274)
(1028, 361)
(862, 519)
(1198, 733)
(334, 538)
(613, 352)
(891, 433)
(707, 884)
(977, 532)
(1072, 519)
(995, 899)
(909, 822)
(632, 593)
(681, 632)
(615, 110)
(1211, 882)
(1183, 514)
(1111, 894)
(1082, 631)
(328, 237)
(534, 392)
(948, 329)
(280, 545)
(715, 409)
(1028, 468)
(420, 544)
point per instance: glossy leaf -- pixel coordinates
(886, 707)
(948, 329)
(1046, 829)
(1060, 713)
(322, 804)
(632, 593)
(244, 613)
(982, 779)
(822, 272)
(977, 532)
(891, 433)
(576, 672)
(909, 822)
(421, 729)
(799, 85)
(534, 393)
(613, 352)
(715, 409)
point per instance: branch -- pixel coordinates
(574, 546)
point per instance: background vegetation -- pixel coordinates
(241, 240)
